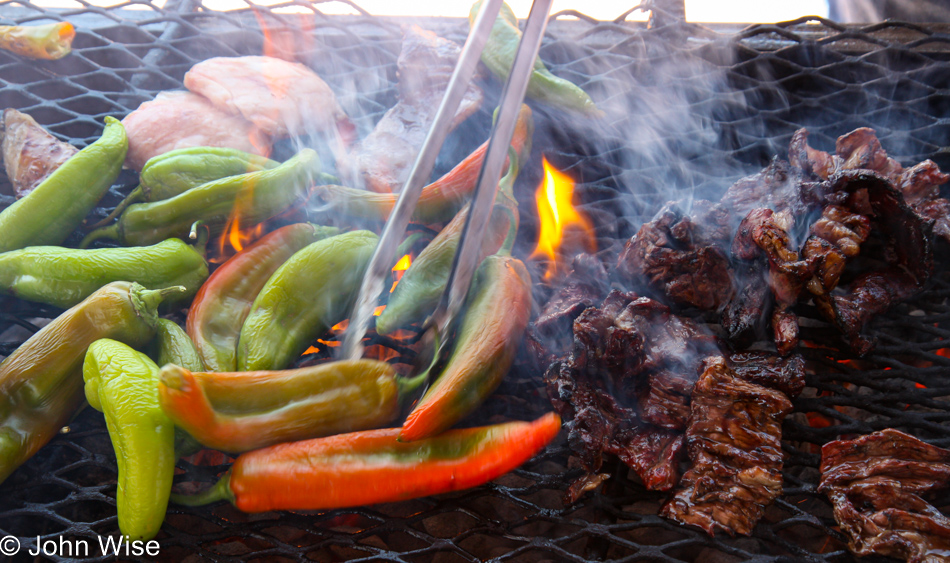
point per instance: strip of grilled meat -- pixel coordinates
(877, 484)
(30, 153)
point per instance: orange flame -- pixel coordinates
(557, 214)
(399, 270)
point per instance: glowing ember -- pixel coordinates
(559, 219)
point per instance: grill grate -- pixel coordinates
(695, 110)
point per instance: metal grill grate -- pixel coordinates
(721, 104)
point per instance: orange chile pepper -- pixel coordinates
(224, 301)
(440, 200)
(372, 466)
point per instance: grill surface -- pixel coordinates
(694, 111)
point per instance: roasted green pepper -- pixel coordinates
(440, 200)
(499, 55)
(248, 198)
(175, 172)
(418, 292)
(41, 381)
(218, 311)
(306, 296)
(65, 276)
(122, 384)
(56, 207)
(484, 348)
(171, 345)
(241, 411)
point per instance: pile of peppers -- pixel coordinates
(318, 436)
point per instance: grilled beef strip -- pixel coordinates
(878, 484)
(30, 153)
(745, 317)
(734, 447)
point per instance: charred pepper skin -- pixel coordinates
(372, 467)
(306, 296)
(224, 301)
(56, 207)
(121, 384)
(485, 347)
(63, 277)
(440, 200)
(41, 381)
(248, 198)
(242, 411)
(499, 56)
(175, 172)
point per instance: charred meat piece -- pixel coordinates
(653, 453)
(745, 317)
(383, 159)
(777, 187)
(829, 262)
(763, 368)
(30, 153)
(667, 257)
(279, 97)
(919, 184)
(734, 447)
(878, 484)
(938, 211)
(812, 161)
(550, 336)
(178, 120)
(845, 230)
(861, 150)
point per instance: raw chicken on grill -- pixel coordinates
(382, 161)
(176, 120)
(878, 485)
(281, 98)
(30, 153)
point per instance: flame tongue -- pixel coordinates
(562, 226)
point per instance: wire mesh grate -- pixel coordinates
(692, 110)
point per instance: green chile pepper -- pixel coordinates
(242, 411)
(223, 302)
(306, 296)
(123, 385)
(248, 198)
(171, 345)
(499, 55)
(499, 307)
(63, 277)
(41, 381)
(56, 207)
(175, 172)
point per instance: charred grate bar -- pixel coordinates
(697, 109)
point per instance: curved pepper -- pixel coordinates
(41, 381)
(306, 296)
(421, 286)
(223, 302)
(248, 198)
(56, 207)
(499, 55)
(121, 384)
(172, 345)
(372, 467)
(175, 172)
(485, 347)
(49, 42)
(440, 200)
(63, 277)
(237, 412)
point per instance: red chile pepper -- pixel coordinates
(440, 200)
(223, 302)
(242, 411)
(373, 467)
(485, 347)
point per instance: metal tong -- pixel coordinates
(464, 264)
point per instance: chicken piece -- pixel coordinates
(382, 161)
(281, 98)
(177, 120)
(30, 153)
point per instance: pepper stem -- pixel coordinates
(200, 236)
(219, 491)
(134, 196)
(146, 301)
(110, 232)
